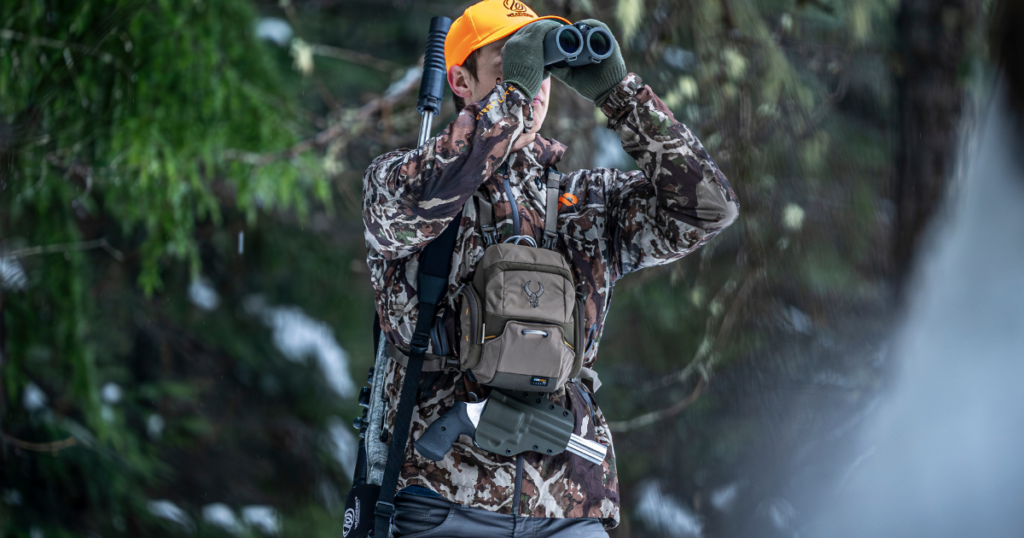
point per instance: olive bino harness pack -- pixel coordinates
(521, 322)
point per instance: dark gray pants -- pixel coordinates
(417, 516)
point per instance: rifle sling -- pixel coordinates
(435, 266)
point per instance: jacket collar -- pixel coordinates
(547, 151)
(534, 159)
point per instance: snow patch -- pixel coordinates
(221, 515)
(155, 426)
(274, 29)
(12, 274)
(263, 518)
(33, 398)
(167, 510)
(344, 444)
(111, 393)
(793, 217)
(202, 294)
(299, 336)
(665, 515)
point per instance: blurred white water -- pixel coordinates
(664, 514)
(943, 456)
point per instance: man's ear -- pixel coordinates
(458, 79)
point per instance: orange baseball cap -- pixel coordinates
(484, 23)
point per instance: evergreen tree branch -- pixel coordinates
(68, 247)
(7, 34)
(52, 447)
(392, 95)
(355, 57)
(662, 414)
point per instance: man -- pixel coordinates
(610, 223)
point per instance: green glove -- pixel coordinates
(522, 57)
(595, 82)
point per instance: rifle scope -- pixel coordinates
(434, 77)
(432, 84)
(577, 45)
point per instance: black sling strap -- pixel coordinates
(435, 265)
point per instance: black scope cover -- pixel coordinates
(434, 76)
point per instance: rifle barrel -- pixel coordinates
(432, 83)
(426, 123)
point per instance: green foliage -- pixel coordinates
(162, 101)
(137, 122)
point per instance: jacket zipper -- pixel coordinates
(519, 486)
(511, 200)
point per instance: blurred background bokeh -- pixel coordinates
(185, 310)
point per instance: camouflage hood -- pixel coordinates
(610, 223)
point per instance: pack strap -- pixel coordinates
(432, 362)
(435, 266)
(485, 212)
(551, 212)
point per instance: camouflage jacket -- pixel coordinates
(620, 222)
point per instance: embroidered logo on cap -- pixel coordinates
(518, 9)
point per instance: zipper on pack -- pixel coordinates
(511, 199)
(473, 309)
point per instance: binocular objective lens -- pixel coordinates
(568, 42)
(599, 43)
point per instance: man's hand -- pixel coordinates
(596, 81)
(522, 57)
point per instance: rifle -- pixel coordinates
(363, 500)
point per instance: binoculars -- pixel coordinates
(577, 45)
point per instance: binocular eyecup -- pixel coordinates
(577, 45)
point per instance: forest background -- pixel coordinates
(185, 309)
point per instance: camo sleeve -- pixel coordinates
(409, 196)
(676, 202)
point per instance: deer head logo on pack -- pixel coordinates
(534, 295)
